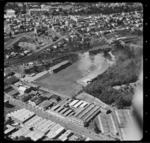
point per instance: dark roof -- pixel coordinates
(12, 92)
(55, 96)
(38, 101)
(8, 71)
(34, 98)
(11, 80)
(45, 103)
(59, 65)
(33, 92)
(47, 95)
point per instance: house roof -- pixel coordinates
(7, 71)
(12, 92)
(22, 88)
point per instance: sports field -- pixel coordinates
(65, 81)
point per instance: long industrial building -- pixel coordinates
(22, 115)
(77, 104)
(73, 102)
(59, 66)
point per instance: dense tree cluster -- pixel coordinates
(91, 8)
(125, 70)
(18, 9)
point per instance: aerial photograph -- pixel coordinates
(73, 71)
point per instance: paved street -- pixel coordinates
(60, 121)
(16, 61)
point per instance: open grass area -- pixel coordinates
(66, 80)
(63, 82)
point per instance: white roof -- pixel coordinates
(10, 10)
(22, 88)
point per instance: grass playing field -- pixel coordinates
(63, 82)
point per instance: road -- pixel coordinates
(17, 37)
(78, 32)
(24, 59)
(63, 122)
(50, 44)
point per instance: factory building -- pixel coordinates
(84, 104)
(23, 115)
(67, 102)
(73, 102)
(63, 111)
(56, 132)
(31, 120)
(44, 125)
(39, 119)
(48, 126)
(85, 111)
(52, 131)
(59, 109)
(40, 123)
(55, 107)
(84, 115)
(77, 104)
(90, 117)
(123, 117)
(21, 132)
(90, 113)
(63, 101)
(67, 113)
(10, 129)
(45, 104)
(66, 135)
(55, 114)
(106, 123)
(59, 131)
(76, 120)
(59, 67)
(35, 135)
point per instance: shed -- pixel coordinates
(22, 89)
(13, 93)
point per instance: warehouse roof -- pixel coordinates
(45, 103)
